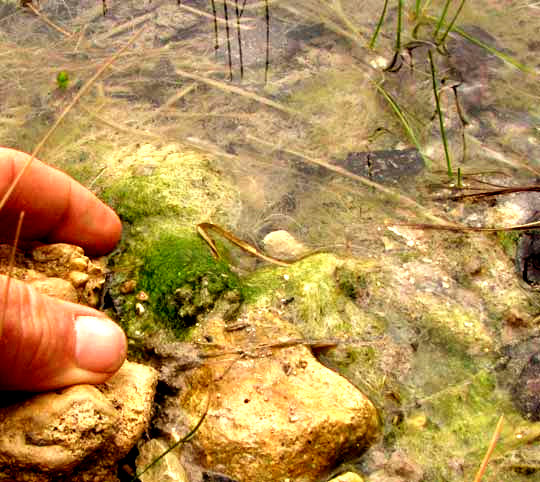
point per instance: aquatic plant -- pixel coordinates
(62, 80)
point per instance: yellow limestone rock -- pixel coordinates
(275, 412)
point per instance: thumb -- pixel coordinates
(46, 343)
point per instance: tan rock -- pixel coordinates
(56, 252)
(282, 245)
(59, 261)
(167, 469)
(81, 430)
(347, 477)
(55, 431)
(275, 411)
(78, 278)
(57, 287)
(131, 391)
(56, 259)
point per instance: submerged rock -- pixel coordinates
(386, 165)
(283, 245)
(526, 391)
(274, 411)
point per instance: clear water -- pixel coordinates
(280, 124)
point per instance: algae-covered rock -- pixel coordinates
(183, 280)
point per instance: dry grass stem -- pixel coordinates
(490, 449)
(10, 270)
(227, 87)
(389, 192)
(47, 21)
(58, 121)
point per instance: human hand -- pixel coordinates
(47, 343)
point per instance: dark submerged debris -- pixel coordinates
(386, 165)
(526, 391)
(528, 256)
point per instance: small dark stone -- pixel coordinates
(216, 477)
(528, 255)
(526, 391)
(386, 165)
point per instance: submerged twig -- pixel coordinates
(267, 56)
(239, 38)
(47, 21)
(227, 33)
(203, 229)
(236, 90)
(344, 172)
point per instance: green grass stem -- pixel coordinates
(379, 25)
(506, 58)
(451, 24)
(399, 25)
(183, 440)
(401, 116)
(439, 113)
(441, 19)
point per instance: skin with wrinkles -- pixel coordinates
(38, 345)
(58, 209)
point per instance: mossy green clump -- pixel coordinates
(323, 291)
(179, 185)
(508, 240)
(183, 280)
(139, 197)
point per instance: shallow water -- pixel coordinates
(298, 135)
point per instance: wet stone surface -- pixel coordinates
(385, 165)
(526, 391)
(528, 257)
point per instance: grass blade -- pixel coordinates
(441, 19)
(184, 439)
(439, 114)
(379, 24)
(401, 116)
(10, 270)
(452, 22)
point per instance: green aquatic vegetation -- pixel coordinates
(442, 16)
(62, 80)
(137, 198)
(440, 116)
(458, 419)
(451, 24)
(508, 241)
(379, 25)
(406, 124)
(183, 280)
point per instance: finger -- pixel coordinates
(58, 209)
(48, 343)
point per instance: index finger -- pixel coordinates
(57, 208)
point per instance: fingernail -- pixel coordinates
(100, 345)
